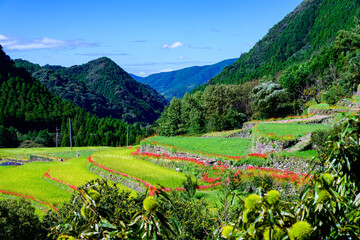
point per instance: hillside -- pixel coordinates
(177, 83)
(297, 37)
(100, 87)
(29, 111)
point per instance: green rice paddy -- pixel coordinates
(27, 180)
(211, 145)
(285, 129)
(122, 161)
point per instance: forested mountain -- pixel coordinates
(313, 24)
(177, 83)
(325, 71)
(28, 111)
(100, 87)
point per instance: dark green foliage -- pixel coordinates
(99, 202)
(296, 38)
(101, 211)
(28, 107)
(220, 107)
(8, 137)
(101, 87)
(334, 94)
(18, 221)
(177, 83)
(192, 216)
(318, 139)
(190, 187)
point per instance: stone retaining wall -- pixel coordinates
(325, 111)
(159, 150)
(32, 158)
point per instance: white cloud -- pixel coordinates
(142, 74)
(174, 45)
(45, 43)
(167, 70)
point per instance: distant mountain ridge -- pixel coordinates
(313, 24)
(177, 83)
(100, 87)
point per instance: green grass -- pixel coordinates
(221, 133)
(74, 172)
(326, 106)
(24, 153)
(285, 129)
(215, 145)
(121, 160)
(27, 180)
(309, 154)
(213, 197)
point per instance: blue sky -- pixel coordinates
(142, 36)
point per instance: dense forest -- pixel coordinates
(101, 87)
(331, 74)
(218, 107)
(296, 38)
(30, 114)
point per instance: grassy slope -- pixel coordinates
(216, 145)
(122, 161)
(63, 152)
(27, 180)
(74, 172)
(294, 129)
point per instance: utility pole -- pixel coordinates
(70, 134)
(57, 134)
(127, 136)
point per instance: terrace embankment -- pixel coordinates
(160, 150)
(33, 158)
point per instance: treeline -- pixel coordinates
(218, 107)
(297, 37)
(100, 87)
(29, 112)
(328, 76)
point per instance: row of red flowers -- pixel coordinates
(286, 175)
(207, 179)
(221, 168)
(212, 155)
(167, 156)
(28, 197)
(47, 175)
(151, 188)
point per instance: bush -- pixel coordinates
(334, 94)
(18, 221)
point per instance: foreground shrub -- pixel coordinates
(18, 221)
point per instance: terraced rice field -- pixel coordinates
(121, 160)
(285, 129)
(211, 145)
(28, 180)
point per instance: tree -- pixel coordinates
(270, 100)
(170, 120)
